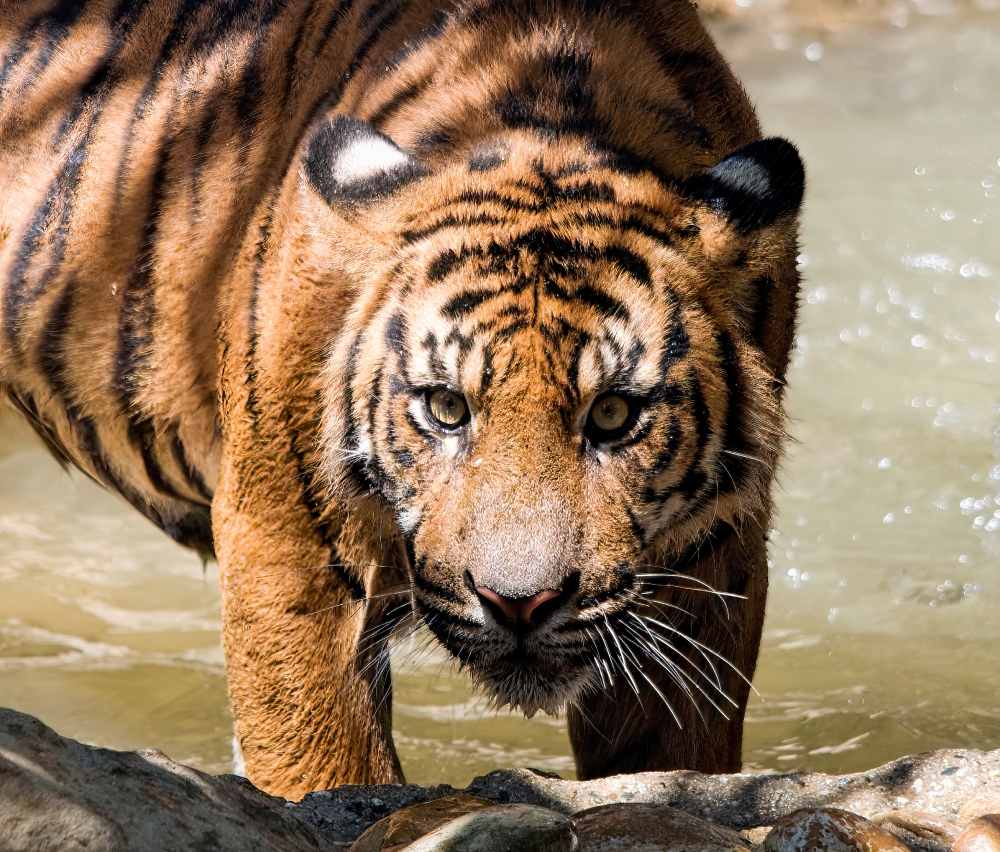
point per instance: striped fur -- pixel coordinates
(240, 241)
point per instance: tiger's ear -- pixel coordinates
(349, 162)
(754, 186)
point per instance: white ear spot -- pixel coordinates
(364, 158)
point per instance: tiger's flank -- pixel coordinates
(470, 316)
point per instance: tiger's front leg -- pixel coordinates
(630, 728)
(310, 693)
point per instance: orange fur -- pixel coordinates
(228, 303)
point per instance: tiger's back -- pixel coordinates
(166, 318)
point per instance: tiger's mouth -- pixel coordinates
(531, 653)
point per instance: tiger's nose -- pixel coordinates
(519, 613)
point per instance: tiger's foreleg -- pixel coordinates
(307, 584)
(309, 681)
(628, 727)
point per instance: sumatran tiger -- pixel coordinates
(469, 313)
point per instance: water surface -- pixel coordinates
(883, 624)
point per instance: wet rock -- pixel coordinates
(920, 831)
(499, 828)
(980, 835)
(57, 795)
(409, 824)
(651, 828)
(829, 830)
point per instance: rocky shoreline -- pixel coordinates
(58, 794)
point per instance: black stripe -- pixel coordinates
(51, 218)
(195, 478)
(429, 33)
(603, 303)
(51, 31)
(695, 478)
(732, 434)
(26, 406)
(466, 303)
(473, 220)
(628, 261)
(397, 101)
(676, 342)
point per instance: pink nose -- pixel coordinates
(517, 611)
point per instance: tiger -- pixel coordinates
(470, 316)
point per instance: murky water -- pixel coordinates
(883, 629)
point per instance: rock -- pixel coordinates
(935, 782)
(980, 835)
(920, 831)
(412, 823)
(651, 828)
(57, 795)
(344, 813)
(979, 806)
(501, 828)
(829, 830)
(755, 836)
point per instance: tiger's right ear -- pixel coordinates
(754, 186)
(349, 162)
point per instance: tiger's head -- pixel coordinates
(551, 375)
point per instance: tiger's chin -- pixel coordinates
(521, 686)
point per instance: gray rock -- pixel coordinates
(57, 795)
(939, 783)
(651, 828)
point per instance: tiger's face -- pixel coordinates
(552, 384)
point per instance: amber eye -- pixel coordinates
(609, 415)
(447, 408)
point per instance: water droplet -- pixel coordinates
(846, 335)
(868, 404)
(814, 52)
(920, 170)
(867, 234)
(948, 215)
(888, 519)
(884, 464)
(114, 289)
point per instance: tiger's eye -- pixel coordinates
(447, 407)
(609, 413)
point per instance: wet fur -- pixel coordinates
(215, 305)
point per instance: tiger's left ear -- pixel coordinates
(349, 162)
(754, 186)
